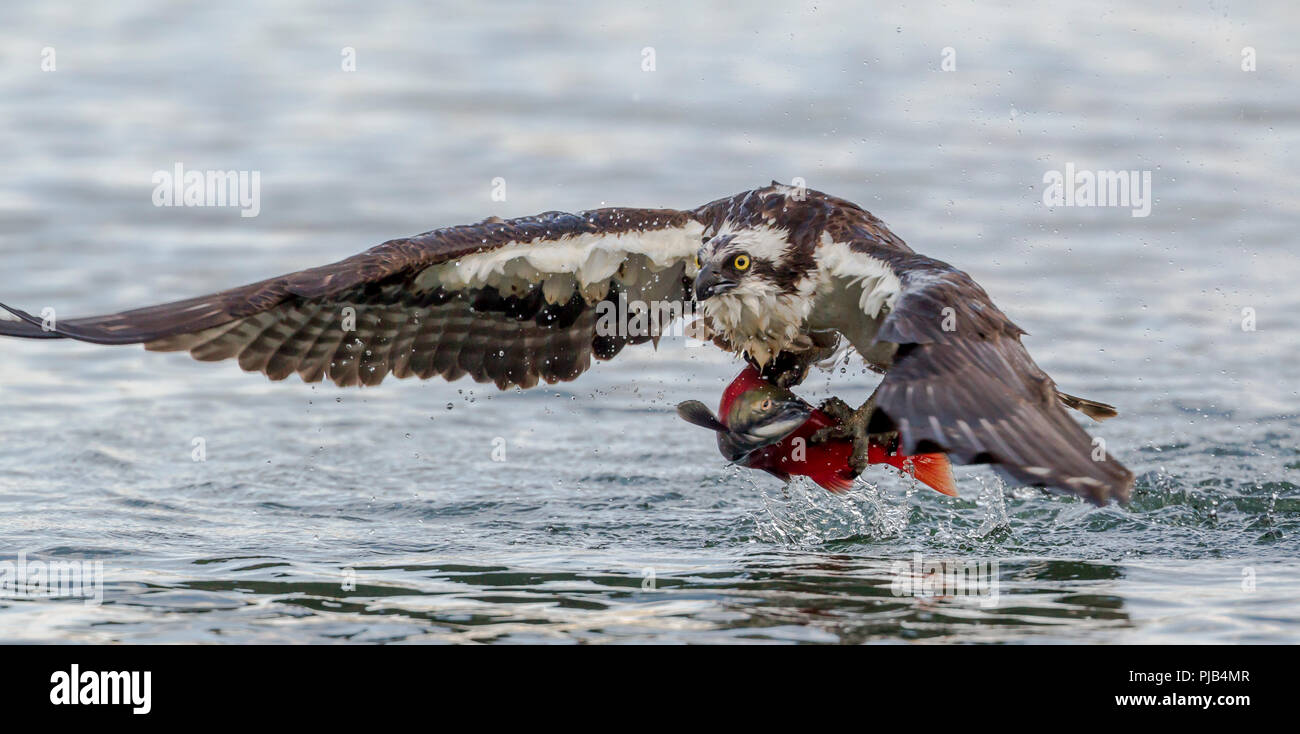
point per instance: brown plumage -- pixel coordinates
(515, 302)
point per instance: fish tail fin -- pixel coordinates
(934, 471)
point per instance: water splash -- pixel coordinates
(801, 514)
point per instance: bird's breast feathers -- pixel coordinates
(847, 291)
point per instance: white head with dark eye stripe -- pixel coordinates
(743, 262)
(722, 265)
(755, 288)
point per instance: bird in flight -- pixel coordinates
(778, 275)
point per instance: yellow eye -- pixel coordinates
(741, 262)
(697, 262)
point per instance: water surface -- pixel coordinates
(323, 515)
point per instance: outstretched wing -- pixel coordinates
(505, 301)
(962, 382)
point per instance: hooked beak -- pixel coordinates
(710, 283)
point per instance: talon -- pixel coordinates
(837, 409)
(855, 425)
(860, 459)
(888, 439)
(790, 378)
(829, 433)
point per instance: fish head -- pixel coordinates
(764, 414)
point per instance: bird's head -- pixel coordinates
(761, 243)
(756, 273)
(755, 287)
(747, 262)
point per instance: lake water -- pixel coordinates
(323, 515)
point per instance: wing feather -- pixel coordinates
(454, 301)
(399, 356)
(290, 354)
(962, 382)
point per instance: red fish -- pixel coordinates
(770, 428)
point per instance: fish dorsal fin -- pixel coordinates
(697, 413)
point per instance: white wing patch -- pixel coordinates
(880, 285)
(588, 260)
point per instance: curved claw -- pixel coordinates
(855, 425)
(829, 433)
(836, 409)
(862, 443)
(860, 459)
(842, 414)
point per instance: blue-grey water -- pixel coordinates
(380, 515)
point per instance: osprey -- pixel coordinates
(780, 275)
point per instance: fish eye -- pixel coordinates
(766, 404)
(698, 265)
(741, 262)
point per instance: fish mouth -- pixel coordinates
(786, 420)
